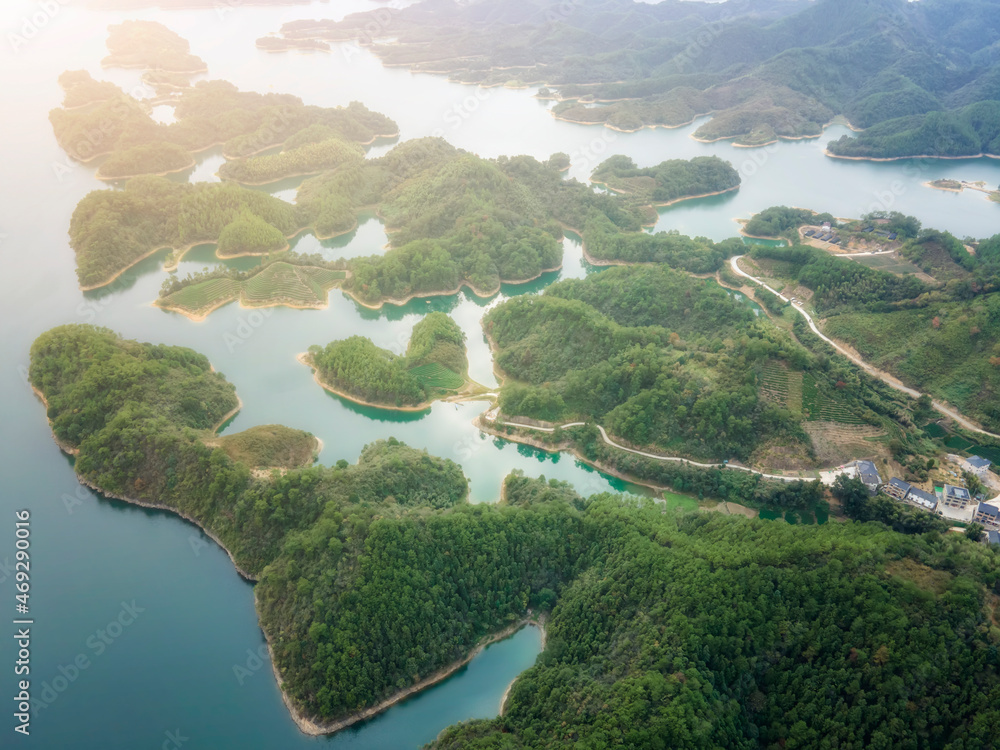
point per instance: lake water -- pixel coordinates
(172, 670)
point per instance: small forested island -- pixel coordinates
(288, 279)
(98, 119)
(728, 622)
(678, 366)
(150, 45)
(670, 181)
(919, 76)
(435, 366)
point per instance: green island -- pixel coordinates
(678, 366)
(289, 280)
(434, 367)
(455, 219)
(924, 308)
(957, 186)
(150, 45)
(98, 119)
(670, 181)
(914, 75)
(664, 628)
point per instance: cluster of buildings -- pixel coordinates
(950, 500)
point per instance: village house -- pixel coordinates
(868, 475)
(977, 465)
(897, 488)
(955, 497)
(988, 515)
(924, 499)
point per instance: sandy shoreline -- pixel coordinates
(827, 152)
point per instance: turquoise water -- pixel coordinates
(172, 670)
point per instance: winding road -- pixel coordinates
(885, 377)
(492, 415)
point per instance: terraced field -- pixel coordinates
(434, 375)
(823, 408)
(782, 386)
(276, 284)
(207, 294)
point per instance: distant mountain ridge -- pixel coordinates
(765, 69)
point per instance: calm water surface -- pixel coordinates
(172, 670)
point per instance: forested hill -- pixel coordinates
(457, 219)
(671, 364)
(764, 69)
(695, 630)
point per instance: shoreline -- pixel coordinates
(228, 415)
(71, 451)
(311, 727)
(447, 293)
(695, 197)
(103, 178)
(200, 315)
(303, 358)
(462, 394)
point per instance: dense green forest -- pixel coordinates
(921, 75)
(664, 360)
(778, 220)
(374, 575)
(149, 158)
(148, 44)
(455, 219)
(969, 131)
(140, 415)
(295, 159)
(112, 229)
(668, 181)
(435, 364)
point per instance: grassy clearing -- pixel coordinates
(269, 446)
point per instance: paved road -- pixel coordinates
(491, 416)
(874, 371)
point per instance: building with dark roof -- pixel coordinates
(992, 537)
(955, 497)
(978, 465)
(868, 475)
(922, 498)
(988, 515)
(897, 488)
